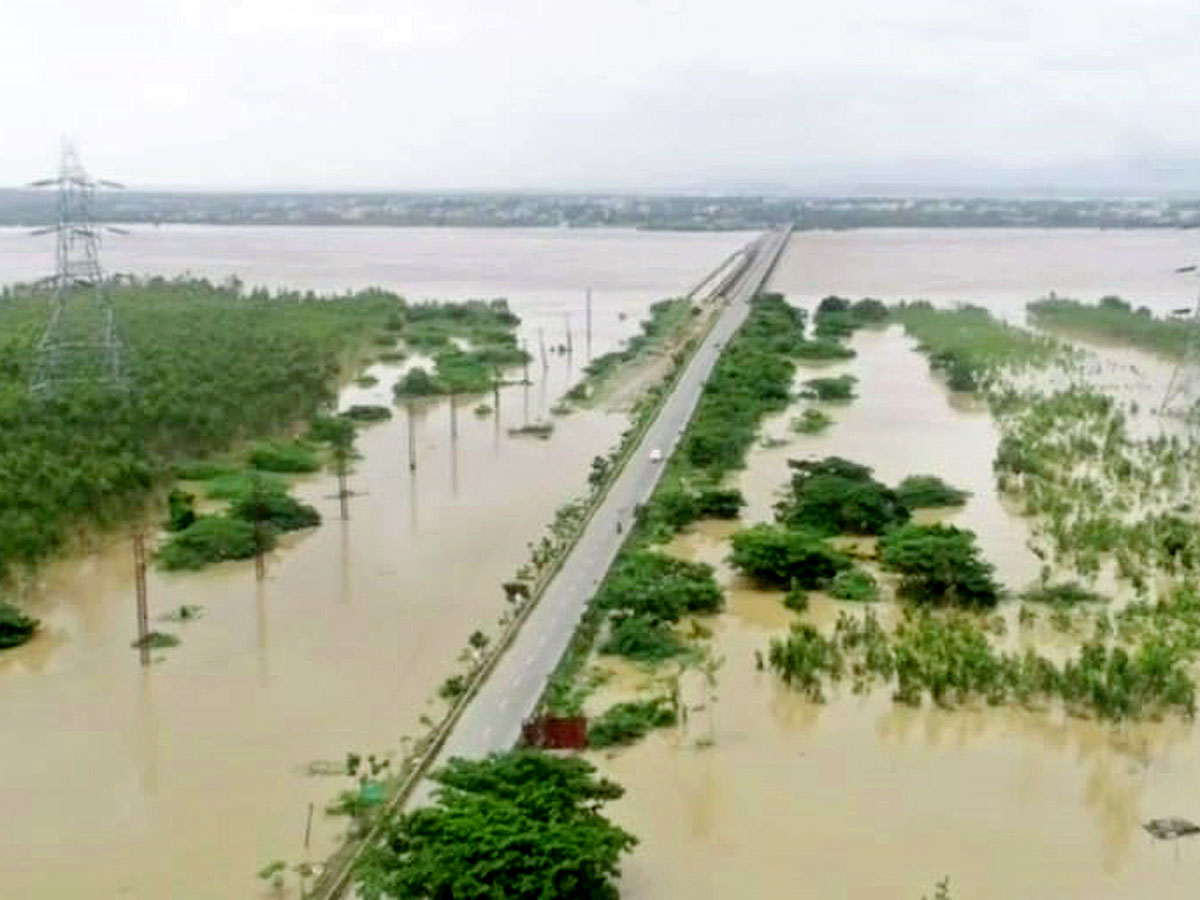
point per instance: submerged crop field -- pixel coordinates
(882, 590)
(219, 382)
(208, 366)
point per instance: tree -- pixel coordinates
(940, 564)
(522, 825)
(836, 496)
(599, 473)
(929, 491)
(659, 586)
(782, 557)
(342, 455)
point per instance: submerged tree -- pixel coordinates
(940, 564)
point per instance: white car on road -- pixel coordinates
(655, 455)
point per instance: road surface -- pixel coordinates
(492, 721)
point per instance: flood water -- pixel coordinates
(185, 778)
(764, 794)
(182, 779)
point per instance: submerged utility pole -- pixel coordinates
(79, 346)
(412, 437)
(588, 328)
(143, 607)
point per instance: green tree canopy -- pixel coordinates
(836, 496)
(780, 557)
(940, 564)
(659, 587)
(522, 825)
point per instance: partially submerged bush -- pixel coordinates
(835, 496)
(624, 723)
(840, 387)
(940, 565)
(782, 557)
(279, 510)
(929, 491)
(15, 627)
(659, 587)
(856, 584)
(642, 639)
(212, 539)
(811, 421)
(804, 658)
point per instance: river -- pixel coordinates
(182, 779)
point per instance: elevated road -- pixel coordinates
(492, 721)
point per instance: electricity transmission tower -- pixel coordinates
(80, 345)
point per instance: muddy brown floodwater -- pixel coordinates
(764, 794)
(184, 778)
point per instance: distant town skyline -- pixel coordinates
(657, 96)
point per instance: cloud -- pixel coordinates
(629, 94)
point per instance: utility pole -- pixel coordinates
(143, 608)
(588, 339)
(412, 438)
(79, 346)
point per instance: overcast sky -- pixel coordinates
(608, 94)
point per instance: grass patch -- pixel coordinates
(643, 639)
(969, 346)
(1113, 319)
(1066, 593)
(624, 723)
(284, 457)
(203, 469)
(237, 484)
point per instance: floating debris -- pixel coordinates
(1171, 828)
(186, 612)
(541, 430)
